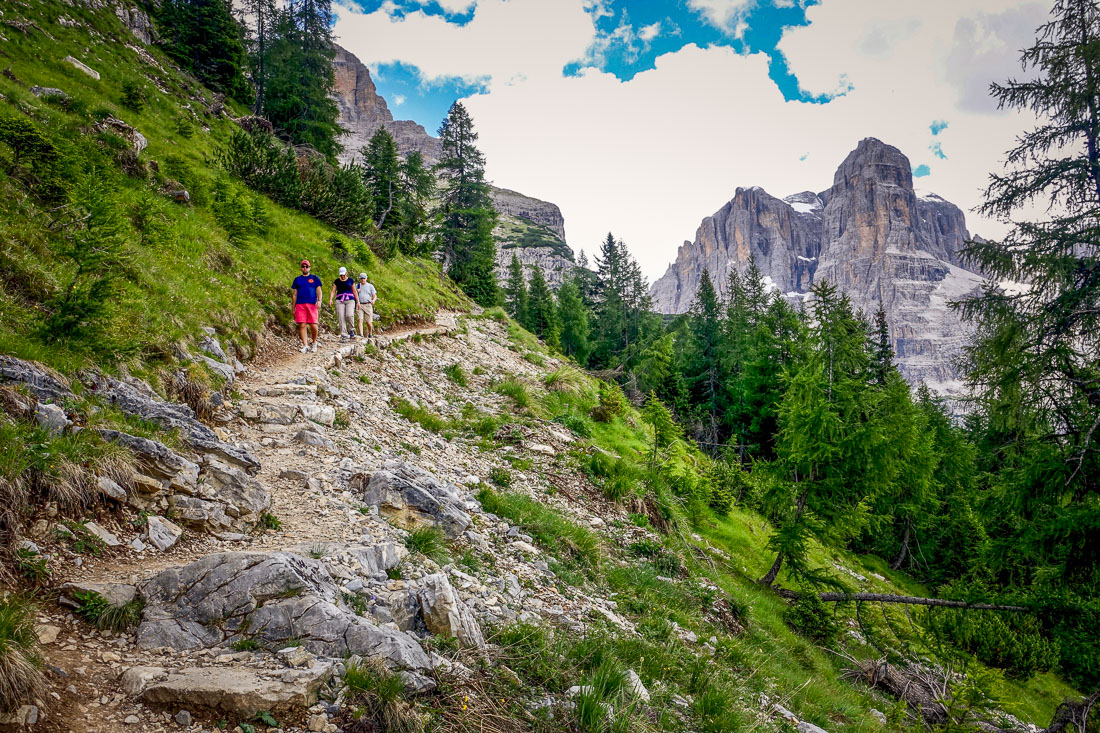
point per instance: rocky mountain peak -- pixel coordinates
(874, 161)
(871, 234)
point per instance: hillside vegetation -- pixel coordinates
(101, 264)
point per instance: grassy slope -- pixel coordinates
(769, 658)
(189, 275)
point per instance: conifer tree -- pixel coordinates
(542, 315)
(832, 456)
(382, 176)
(262, 15)
(417, 189)
(466, 212)
(298, 88)
(515, 291)
(203, 37)
(705, 377)
(574, 322)
(882, 360)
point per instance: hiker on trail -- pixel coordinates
(305, 299)
(347, 300)
(367, 295)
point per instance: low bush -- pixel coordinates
(612, 403)
(810, 617)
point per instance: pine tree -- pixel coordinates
(1035, 362)
(705, 376)
(542, 315)
(573, 317)
(298, 89)
(382, 176)
(466, 212)
(261, 14)
(203, 37)
(833, 456)
(417, 189)
(515, 291)
(882, 360)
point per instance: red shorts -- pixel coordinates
(305, 313)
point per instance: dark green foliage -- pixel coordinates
(133, 96)
(1014, 643)
(398, 193)
(542, 315)
(82, 312)
(515, 292)
(573, 318)
(336, 196)
(465, 211)
(612, 403)
(35, 159)
(622, 323)
(456, 374)
(501, 477)
(727, 483)
(810, 617)
(234, 211)
(203, 37)
(297, 96)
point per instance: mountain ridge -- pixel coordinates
(870, 233)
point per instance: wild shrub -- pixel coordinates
(233, 211)
(612, 403)
(133, 96)
(1017, 644)
(21, 678)
(810, 617)
(726, 484)
(501, 477)
(578, 424)
(35, 159)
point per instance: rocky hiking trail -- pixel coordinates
(260, 554)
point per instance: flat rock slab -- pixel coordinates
(238, 691)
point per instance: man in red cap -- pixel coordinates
(306, 291)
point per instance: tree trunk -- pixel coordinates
(905, 600)
(896, 564)
(770, 577)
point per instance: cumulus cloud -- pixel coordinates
(650, 157)
(726, 15)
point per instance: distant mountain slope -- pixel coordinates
(872, 234)
(532, 229)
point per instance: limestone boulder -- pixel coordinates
(156, 459)
(44, 383)
(410, 496)
(162, 533)
(239, 692)
(267, 596)
(445, 613)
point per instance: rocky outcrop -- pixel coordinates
(363, 111)
(871, 233)
(410, 497)
(542, 213)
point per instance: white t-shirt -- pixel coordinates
(367, 293)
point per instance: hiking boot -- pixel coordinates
(303, 350)
(314, 347)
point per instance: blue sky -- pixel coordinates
(642, 117)
(657, 27)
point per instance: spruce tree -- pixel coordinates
(382, 176)
(465, 211)
(203, 37)
(1035, 362)
(573, 317)
(298, 90)
(261, 14)
(515, 292)
(705, 376)
(542, 315)
(882, 359)
(417, 189)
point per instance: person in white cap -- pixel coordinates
(367, 295)
(343, 292)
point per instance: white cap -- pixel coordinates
(362, 276)
(343, 271)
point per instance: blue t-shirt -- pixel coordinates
(307, 287)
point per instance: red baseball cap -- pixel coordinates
(306, 263)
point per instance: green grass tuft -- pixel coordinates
(429, 542)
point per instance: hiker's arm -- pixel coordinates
(293, 297)
(331, 295)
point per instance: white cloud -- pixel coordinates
(649, 32)
(722, 13)
(398, 100)
(456, 6)
(649, 158)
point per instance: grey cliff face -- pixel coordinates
(363, 111)
(872, 234)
